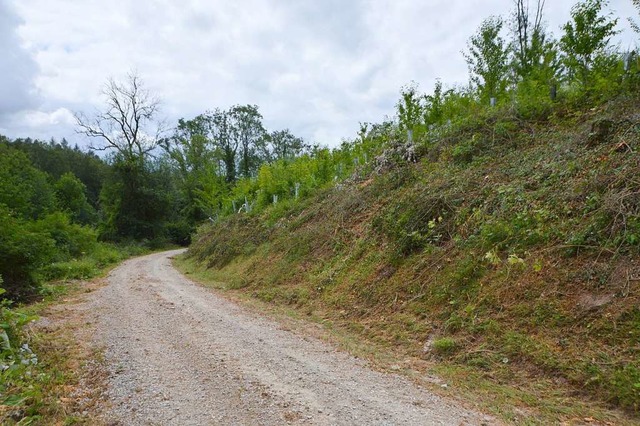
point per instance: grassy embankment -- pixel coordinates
(505, 261)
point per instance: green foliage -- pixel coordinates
(434, 108)
(530, 38)
(493, 191)
(625, 387)
(90, 263)
(56, 159)
(40, 223)
(467, 243)
(42, 235)
(283, 180)
(235, 137)
(249, 134)
(71, 240)
(585, 41)
(197, 174)
(71, 198)
(226, 159)
(275, 180)
(410, 108)
(26, 247)
(69, 270)
(619, 383)
(535, 63)
(465, 150)
(218, 245)
(13, 356)
(18, 364)
(23, 188)
(279, 179)
(283, 145)
(416, 221)
(105, 254)
(444, 346)
(533, 100)
(37, 249)
(523, 230)
(487, 59)
(459, 104)
(137, 200)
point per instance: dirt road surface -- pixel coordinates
(179, 354)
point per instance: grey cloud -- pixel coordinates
(18, 69)
(316, 67)
(337, 21)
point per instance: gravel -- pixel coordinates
(180, 354)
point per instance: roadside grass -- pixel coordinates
(52, 376)
(90, 265)
(520, 397)
(49, 391)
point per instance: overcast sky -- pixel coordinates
(318, 67)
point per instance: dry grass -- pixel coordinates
(67, 384)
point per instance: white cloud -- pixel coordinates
(38, 124)
(316, 67)
(39, 119)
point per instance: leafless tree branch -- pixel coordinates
(128, 124)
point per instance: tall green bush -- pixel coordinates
(487, 58)
(71, 197)
(23, 189)
(585, 43)
(25, 248)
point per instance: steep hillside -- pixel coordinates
(505, 258)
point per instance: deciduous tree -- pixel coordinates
(194, 157)
(71, 198)
(410, 107)
(247, 130)
(283, 145)
(585, 40)
(487, 58)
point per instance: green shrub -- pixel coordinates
(71, 198)
(73, 269)
(25, 249)
(519, 230)
(444, 346)
(533, 101)
(625, 386)
(464, 151)
(106, 254)
(418, 220)
(16, 359)
(71, 240)
(24, 190)
(179, 232)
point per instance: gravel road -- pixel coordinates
(180, 354)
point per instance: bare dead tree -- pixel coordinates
(128, 125)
